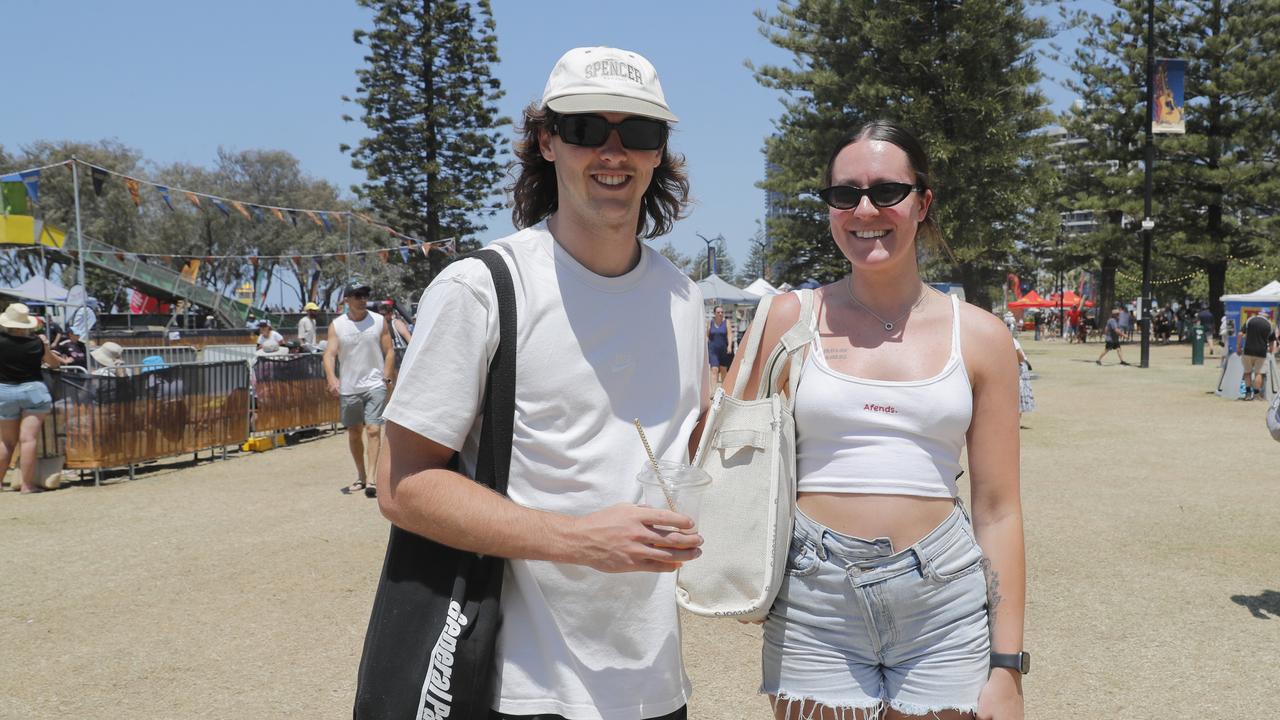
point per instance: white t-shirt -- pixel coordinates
(593, 353)
(307, 331)
(360, 358)
(273, 336)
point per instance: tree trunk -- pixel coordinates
(1106, 291)
(1217, 271)
(977, 290)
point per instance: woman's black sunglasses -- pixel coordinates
(636, 133)
(882, 195)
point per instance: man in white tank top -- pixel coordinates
(358, 343)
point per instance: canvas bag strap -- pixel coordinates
(790, 345)
(748, 352)
(493, 462)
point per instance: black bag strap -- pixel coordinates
(493, 463)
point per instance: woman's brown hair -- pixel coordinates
(534, 192)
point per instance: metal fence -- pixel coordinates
(290, 393)
(110, 421)
(236, 353)
(172, 354)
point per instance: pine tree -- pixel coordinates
(1215, 195)
(428, 98)
(960, 74)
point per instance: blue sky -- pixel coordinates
(177, 80)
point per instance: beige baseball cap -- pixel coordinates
(605, 79)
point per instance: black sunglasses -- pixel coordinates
(636, 133)
(882, 195)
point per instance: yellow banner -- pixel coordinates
(21, 230)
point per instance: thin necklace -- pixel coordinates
(888, 325)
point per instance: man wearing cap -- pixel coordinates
(307, 326)
(607, 330)
(359, 345)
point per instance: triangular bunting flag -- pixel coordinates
(426, 249)
(193, 199)
(257, 213)
(404, 253)
(313, 217)
(385, 255)
(240, 209)
(293, 217)
(218, 204)
(340, 257)
(279, 215)
(164, 195)
(253, 260)
(99, 177)
(31, 178)
(133, 192)
(324, 220)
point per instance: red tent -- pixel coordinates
(1031, 300)
(1069, 299)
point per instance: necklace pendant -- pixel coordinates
(888, 327)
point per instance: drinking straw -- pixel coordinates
(653, 461)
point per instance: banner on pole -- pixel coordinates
(1169, 97)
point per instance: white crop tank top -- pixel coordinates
(886, 437)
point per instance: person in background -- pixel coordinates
(1111, 337)
(109, 358)
(400, 332)
(265, 333)
(1205, 318)
(1026, 398)
(307, 326)
(1256, 342)
(24, 398)
(72, 349)
(358, 341)
(721, 341)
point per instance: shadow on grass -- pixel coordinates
(1267, 601)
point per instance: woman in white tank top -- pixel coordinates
(894, 601)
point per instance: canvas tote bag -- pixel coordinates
(429, 649)
(748, 447)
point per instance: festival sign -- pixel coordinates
(1168, 93)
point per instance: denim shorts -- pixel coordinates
(858, 625)
(363, 408)
(29, 397)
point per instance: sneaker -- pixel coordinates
(370, 491)
(1123, 362)
(1097, 362)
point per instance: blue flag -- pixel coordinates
(218, 204)
(31, 178)
(164, 195)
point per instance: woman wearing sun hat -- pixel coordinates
(24, 398)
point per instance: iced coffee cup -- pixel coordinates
(677, 486)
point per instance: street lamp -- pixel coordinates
(1150, 156)
(710, 245)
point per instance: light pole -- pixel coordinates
(710, 244)
(1147, 222)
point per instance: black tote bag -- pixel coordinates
(428, 652)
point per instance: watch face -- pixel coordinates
(1024, 662)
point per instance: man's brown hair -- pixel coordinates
(534, 195)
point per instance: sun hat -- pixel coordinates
(109, 354)
(151, 363)
(311, 306)
(271, 347)
(17, 317)
(605, 79)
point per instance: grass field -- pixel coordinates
(241, 589)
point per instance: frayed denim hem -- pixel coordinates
(808, 708)
(931, 711)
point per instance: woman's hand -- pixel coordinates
(1001, 697)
